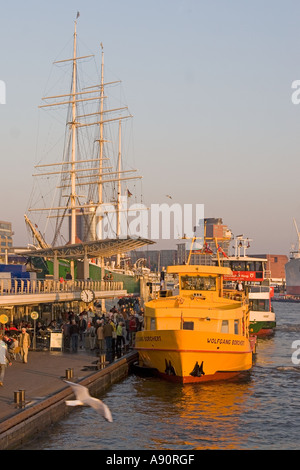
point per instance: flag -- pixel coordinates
(206, 249)
(221, 251)
(78, 14)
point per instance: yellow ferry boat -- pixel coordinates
(202, 334)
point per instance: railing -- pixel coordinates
(257, 289)
(42, 286)
(234, 295)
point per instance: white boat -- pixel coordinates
(253, 273)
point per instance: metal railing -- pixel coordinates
(39, 286)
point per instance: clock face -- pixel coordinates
(87, 295)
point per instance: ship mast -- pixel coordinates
(72, 174)
(119, 193)
(73, 155)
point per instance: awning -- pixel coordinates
(95, 249)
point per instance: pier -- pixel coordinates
(41, 384)
(25, 292)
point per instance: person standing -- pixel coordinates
(24, 343)
(4, 360)
(120, 337)
(92, 336)
(66, 334)
(82, 329)
(108, 333)
(74, 335)
(132, 330)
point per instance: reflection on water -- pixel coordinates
(260, 411)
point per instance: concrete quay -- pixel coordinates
(42, 379)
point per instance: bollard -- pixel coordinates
(22, 397)
(69, 373)
(102, 360)
(17, 397)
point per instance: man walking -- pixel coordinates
(24, 343)
(108, 333)
(4, 359)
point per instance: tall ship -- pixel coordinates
(292, 269)
(202, 333)
(82, 188)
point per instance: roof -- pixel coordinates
(198, 269)
(94, 249)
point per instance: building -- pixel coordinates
(275, 267)
(155, 259)
(6, 240)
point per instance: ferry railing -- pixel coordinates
(257, 289)
(39, 286)
(234, 295)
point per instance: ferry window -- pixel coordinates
(188, 325)
(258, 266)
(236, 327)
(225, 326)
(259, 305)
(198, 283)
(152, 324)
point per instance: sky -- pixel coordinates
(209, 84)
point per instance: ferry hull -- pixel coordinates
(192, 356)
(262, 323)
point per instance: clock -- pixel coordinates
(87, 295)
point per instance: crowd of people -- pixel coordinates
(106, 332)
(95, 330)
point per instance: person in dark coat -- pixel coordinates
(74, 335)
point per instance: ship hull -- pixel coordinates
(262, 323)
(292, 274)
(192, 356)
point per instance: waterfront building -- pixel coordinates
(6, 240)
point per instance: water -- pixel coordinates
(259, 412)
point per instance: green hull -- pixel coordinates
(262, 328)
(130, 283)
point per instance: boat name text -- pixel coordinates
(149, 338)
(229, 342)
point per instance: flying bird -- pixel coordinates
(167, 195)
(84, 398)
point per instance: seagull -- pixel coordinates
(84, 398)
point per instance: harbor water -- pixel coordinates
(259, 412)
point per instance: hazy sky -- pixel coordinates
(208, 84)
